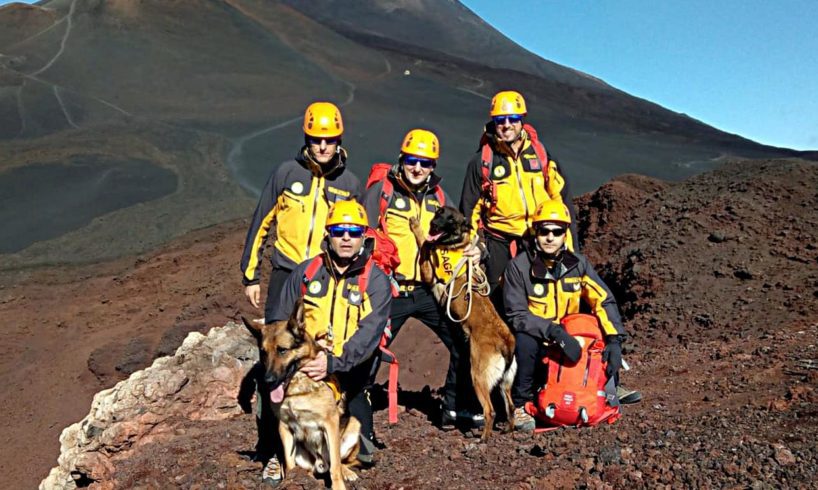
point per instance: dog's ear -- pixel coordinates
(254, 329)
(299, 323)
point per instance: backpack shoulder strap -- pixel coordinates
(310, 271)
(539, 149)
(363, 279)
(487, 159)
(440, 195)
(387, 192)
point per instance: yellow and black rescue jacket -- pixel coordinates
(295, 203)
(537, 296)
(353, 320)
(402, 205)
(519, 182)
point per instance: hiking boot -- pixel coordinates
(448, 420)
(272, 473)
(378, 443)
(471, 420)
(626, 396)
(523, 421)
(366, 452)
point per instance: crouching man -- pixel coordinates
(346, 304)
(543, 286)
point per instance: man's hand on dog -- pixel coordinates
(472, 251)
(253, 293)
(316, 369)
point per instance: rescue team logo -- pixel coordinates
(400, 203)
(315, 287)
(499, 171)
(533, 162)
(539, 289)
(354, 298)
(297, 187)
(338, 192)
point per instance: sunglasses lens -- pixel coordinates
(557, 232)
(410, 161)
(317, 141)
(511, 119)
(352, 231)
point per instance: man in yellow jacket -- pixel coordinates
(411, 189)
(545, 283)
(506, 180)
(292, 212)
(293, 206)
(347, 299)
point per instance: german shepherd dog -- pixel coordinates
(314, 430)
(491, 341)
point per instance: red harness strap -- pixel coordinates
(392, 390)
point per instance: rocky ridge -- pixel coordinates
(718, 283)
(200, 382)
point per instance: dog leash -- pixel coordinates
(481, 288)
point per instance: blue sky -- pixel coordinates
(745, 66)
(748, 67)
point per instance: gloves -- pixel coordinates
(569, 345)
(612, 354)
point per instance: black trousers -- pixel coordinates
(277, 279)
(528, 352)
(420, 304)
(499, 256)
(353, 384)
(531, 374)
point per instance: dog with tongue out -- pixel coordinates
(315, 431)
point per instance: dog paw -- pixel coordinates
(349, 475)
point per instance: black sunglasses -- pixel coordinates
(411, 161)
(317, 141)
(557, 232)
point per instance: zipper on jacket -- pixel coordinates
(330, 332)
(319, 189)
(346, 325)
(518, 170)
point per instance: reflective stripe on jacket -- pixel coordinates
(536, 296)
(353, 320)
(520, 187)
(294, 203)
(404, 204)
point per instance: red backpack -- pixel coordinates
(386, 355)
(577, 394)
(487, 158)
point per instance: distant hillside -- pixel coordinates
(164, 116)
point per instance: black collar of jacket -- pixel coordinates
(397, 178)
(498, 145)
(357, 265)
(331, 168)
(540, 270)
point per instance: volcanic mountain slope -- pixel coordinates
(164, 113)
(716, 277)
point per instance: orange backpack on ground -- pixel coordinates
(577, 394)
